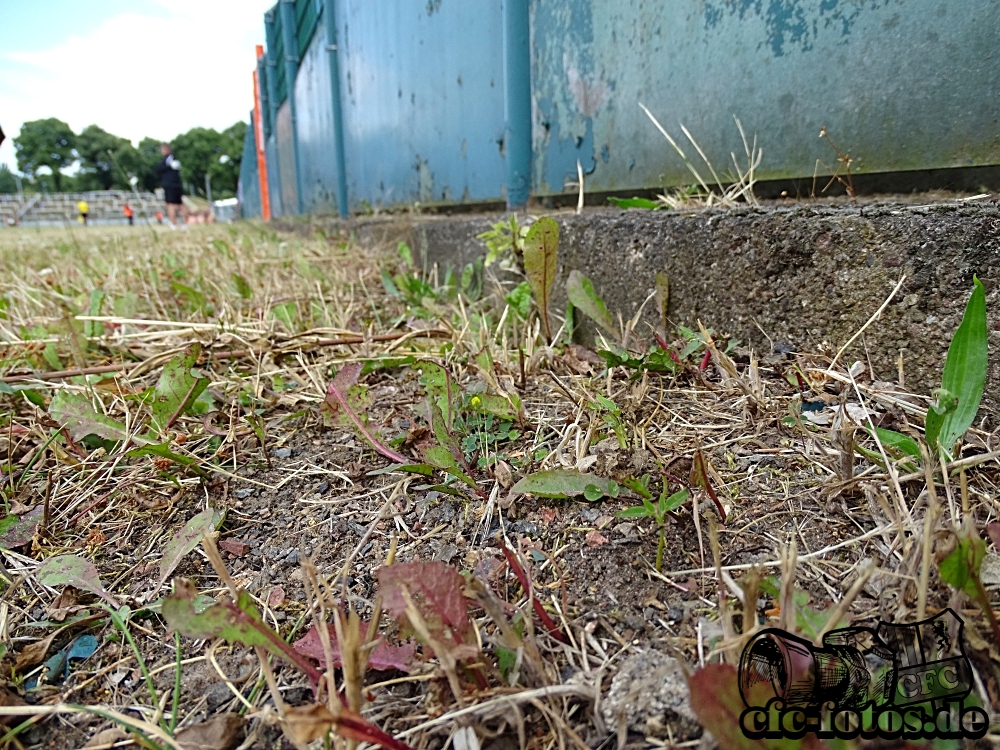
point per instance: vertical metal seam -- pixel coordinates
(290, 31)
(517, 101)
(333, 49)
(272, 105)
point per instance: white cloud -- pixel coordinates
(179, 64)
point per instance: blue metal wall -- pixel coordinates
(249, 188)
(315, 130)
(902, 84)
(422, 87)
(438, 102)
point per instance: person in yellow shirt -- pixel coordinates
(84, 210)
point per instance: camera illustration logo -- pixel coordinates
(890, 681)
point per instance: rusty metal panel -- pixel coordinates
(423, 109)
(900, 85)
(285, 148)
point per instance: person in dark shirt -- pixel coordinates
(168, 169)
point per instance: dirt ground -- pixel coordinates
(767, 426)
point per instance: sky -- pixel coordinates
(137, 68)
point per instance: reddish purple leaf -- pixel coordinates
(20, 531)
(525, 582)
(716, 701)
(347, 377)
(383, 656)
(436, 590)
(993, 529)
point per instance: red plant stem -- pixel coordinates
(388, 453)
(355, 727)
(705, 360)
(286, 651)
(525, 582)
(715, 499)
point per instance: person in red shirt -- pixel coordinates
(129, 213)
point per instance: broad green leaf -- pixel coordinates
(75, 412)
(238, 622)
(70, 570)
(243, 287)
(162, 450)
(286, 313)
(425, 470)
(126, 305)
(637, 486)
(186, 540)
(581, 293)
(177, 388)
(903, 443)
(390, 287)
(92, 328)
(437, 381)
(634, 203)
(655, 360)
(964, 375)
(194, 299)
(443, 459)
(17, 531)
(519, 298)
(444, 436)
(960, 569)
(540, 256)
(405, 253)
(563, 483)
(505, 408)
(673, 502)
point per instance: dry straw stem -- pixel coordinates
(774, 474)
(741, 185)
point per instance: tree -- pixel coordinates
(148, 154)
(8, 183)
(45, 143)
(108, 158)
(206, 151)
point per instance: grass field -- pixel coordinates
(310, 433)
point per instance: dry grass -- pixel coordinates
(851, 534)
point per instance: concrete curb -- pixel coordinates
(805, 276)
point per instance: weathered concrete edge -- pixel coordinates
(807, 276)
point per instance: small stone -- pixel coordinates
(648, 694)
(217, 695)
(322, 487)
(234, 547)
(626, 529)
(293, 557)
(244, 493)
(675, 614)
(527, 528)
(282, 453)
(447, 552)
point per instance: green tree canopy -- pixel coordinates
(207, 151)
(106, 158)
(8, 183)
(45, 143)
(148, 154)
